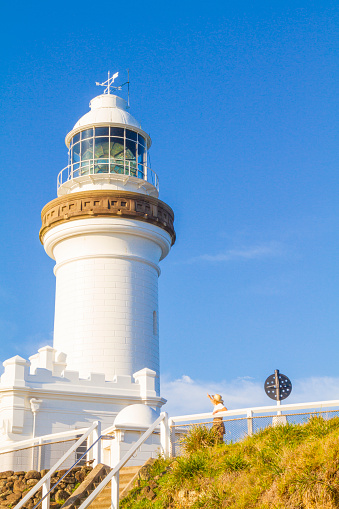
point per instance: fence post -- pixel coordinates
(45, 489)
(98, 445)
(165, 436)
(115, 491)
(39, 454)
(249, 422)
(172, 438)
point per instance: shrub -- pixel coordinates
(188, 467)
(235, 462)
(198, 437)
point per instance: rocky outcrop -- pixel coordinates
(15, 485)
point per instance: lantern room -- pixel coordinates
(108, 150)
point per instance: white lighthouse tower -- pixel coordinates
(107, 231)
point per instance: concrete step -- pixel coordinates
(103, 500)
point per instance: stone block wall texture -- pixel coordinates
(15, 485)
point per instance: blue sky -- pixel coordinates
(241, 102)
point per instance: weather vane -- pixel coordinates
(109, 84)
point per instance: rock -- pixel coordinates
(44, 472)
(148, 493)
(80, 476)
(4, 475)
(33, 474)
(12, 477)
(68, 479)
(32, 482)
(5, 494)
(13, 499)
(21, 472)
(60, 473)
(53, 505)
(152, 484)
(61, 495)
(19, 486)
(9, 484)
(29, 505)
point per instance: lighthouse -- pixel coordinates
(107, 231)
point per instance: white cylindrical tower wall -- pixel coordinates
(106, 306)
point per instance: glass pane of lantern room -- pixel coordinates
(130, 158)
(76, 138)
(131, 135)
(101, 155)
(75, 153)
(101, 131)
(117, 131)
(101, 148)
(87, 149)
(141, 161)
(117, 155)
(88, 133)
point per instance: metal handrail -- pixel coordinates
(109, 167)
(32, 441)
(114, 473)
(105, 437)
(47, 477)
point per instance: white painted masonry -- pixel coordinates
(106, 293)
(105, 353)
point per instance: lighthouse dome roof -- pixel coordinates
(107, 109)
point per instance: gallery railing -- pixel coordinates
(108, 167)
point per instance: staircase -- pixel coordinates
(103, 500)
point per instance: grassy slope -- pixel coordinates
(292, 466)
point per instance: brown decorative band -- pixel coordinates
(107, 204)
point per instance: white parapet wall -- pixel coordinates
(67, 401)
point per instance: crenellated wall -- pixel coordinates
(62, 401)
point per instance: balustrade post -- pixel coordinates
(45, 489)
(172, 438)
(165, 436)
(98, 445)
(250, 422)
(115, 491)
(39, 454)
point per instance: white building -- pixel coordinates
(107, 231)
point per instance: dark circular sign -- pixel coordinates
(285, 386)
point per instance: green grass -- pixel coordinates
(285, 467)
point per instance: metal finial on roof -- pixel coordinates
(108, 83)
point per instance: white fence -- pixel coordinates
(169, 429)
(243, 422)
